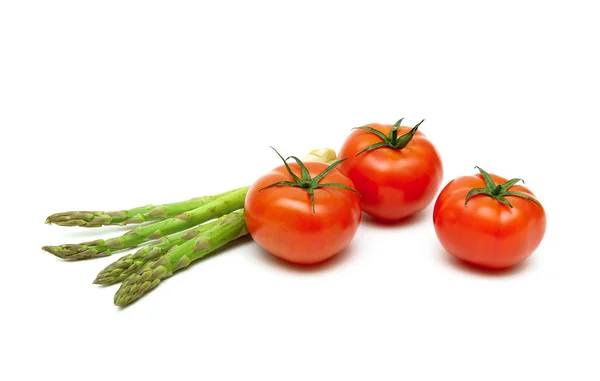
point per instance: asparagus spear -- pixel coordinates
(91, 219)
(117, 271)
(101, 248)
(227, 229)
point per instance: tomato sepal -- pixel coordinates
(308, 183)
(392, 140)
(498, 191)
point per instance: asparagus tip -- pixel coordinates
(53, 250)
(120, 301)
(104, 281)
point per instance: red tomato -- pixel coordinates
(399, 177)
(500, 225)
(282, 220)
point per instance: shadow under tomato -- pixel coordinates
(414, 219)
(334, 261)
(469, 268)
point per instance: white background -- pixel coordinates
(116, 104)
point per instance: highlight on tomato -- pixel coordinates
(303, 212)
(395, 168)
(489, 221)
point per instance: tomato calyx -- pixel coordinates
(306, 182)
(392, 140)
(498, 191)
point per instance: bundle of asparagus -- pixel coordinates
(175, 235)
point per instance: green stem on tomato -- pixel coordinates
(392, 140)
(306, 182)
(498, 191)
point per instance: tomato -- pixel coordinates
(283, 219)
(488, 221)
(398, 175)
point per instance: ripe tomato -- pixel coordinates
(283, 218)
(398, 175)
(488, 221)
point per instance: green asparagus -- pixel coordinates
(227, 229)
(117, 271)
(101, 248)
(180, 231)
(91, 219)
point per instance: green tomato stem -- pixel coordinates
(306, 182)
(498, 191)
(392, 140)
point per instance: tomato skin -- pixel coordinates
(486, 232)
(394, 184)
(281, 219)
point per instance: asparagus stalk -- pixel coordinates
(227, 229)
(91, 219)
(117, 271)
(101, 248)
